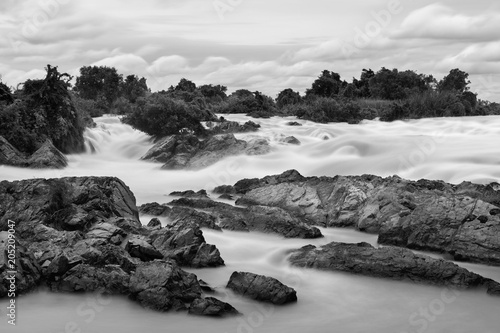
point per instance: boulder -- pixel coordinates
(388, 262)
(291, 140)
(154, 224)
(293, 123)
(188, 152)
(138, 247)
(161, 285)
(45, 157)
(261, 288)
(154, 209)
(211, 306)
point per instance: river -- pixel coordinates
(449, 149)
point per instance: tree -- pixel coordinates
(95, 82)
(328, 84)
(456, 80)
(185, 85)
(287, 97)
(133, 88)
(213, 93)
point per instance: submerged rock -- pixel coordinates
(388, 262)
(426, 215)
(261, 288)
(188, 152)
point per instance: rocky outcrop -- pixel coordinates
(161, 285)
(389, 262)
(291, 140)
(46, 157)
(429, 215)
(261, 288)
(188, 152)
(83, 234)
(154, 209)
(211, 306)
(184, 242)
(227, 127)
(254, 218)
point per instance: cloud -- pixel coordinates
(438, 21)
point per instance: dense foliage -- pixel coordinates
(41, 110)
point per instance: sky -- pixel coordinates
(264, 45)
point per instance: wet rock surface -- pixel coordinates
(188, 152)
(83, 234)
(261, 288)
(425, 215)
(46, 157)
(389, 262)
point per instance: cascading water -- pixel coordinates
(451, 149)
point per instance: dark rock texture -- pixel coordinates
(427, 215)
(254, 218)
(84, 235)
(188, 152)
(211, 306)
(389, 262)
(261, 288)
(46, 157)
(227, 127)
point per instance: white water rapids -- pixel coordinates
(450, 149)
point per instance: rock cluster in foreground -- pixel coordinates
(389, 262)
(83, 234)
(460, 220)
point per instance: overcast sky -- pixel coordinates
(264, 45)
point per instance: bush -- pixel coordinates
(324, 110)
(160, 116)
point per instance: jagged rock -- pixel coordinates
(74, 203)
(205, 287)
(109, 279)
(109, 232)
(261, 288)
(254, 218)
(154, 209)
(27, 271)
(154, 224)
(188, 215)
(426, 215)
(188, 152)
(161, 285)
(211, 306)
(225, 189)
(183, 241)
(388, 262)
(227, 127)
(45, 157)
(190, 194)
(138, 247)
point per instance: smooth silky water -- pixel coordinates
(449, 149)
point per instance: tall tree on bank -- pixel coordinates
(99, 82)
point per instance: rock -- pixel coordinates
(161, 285)
(224, 189)
(190, 194)
(211, 306)
(109, 232)
(293, 123)
(183, 241)
(291, 140)
(138, 247)
(254, 218)
(227, 127)
(261, 288)
(185, 215)
(226, 197)
(27, 274)
(110, 279)
(45, 157)
(425, 215)
(388, 262)
(74, 203)
(154, 224)
(154, 209)
(205, 287)
(188, 152)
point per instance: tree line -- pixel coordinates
(54, 108)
